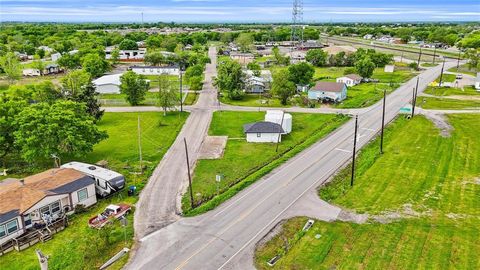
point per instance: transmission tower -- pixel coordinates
(297, 23)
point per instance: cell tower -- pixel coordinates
(297, 23)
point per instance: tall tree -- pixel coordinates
(95, 65)
(282, 87)
(40, 65)
(134, 86)
(11, 66)
(128, 44)
(74, 81)
(69, 61)
(63, 128)
(9, 110)
(365, 67)
(47, 92)
(230, 79)
(317, 57)
(88, 96)
(301, 73)
(154, 58)
(115, 56)
(167, 95)
(245, 41)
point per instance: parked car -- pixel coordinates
(459, 76)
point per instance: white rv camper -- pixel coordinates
(107, 182)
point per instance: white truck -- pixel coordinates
(107, 181)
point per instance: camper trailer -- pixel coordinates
(107, 182)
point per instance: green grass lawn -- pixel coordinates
(447, 78)
(191, 98)
(465, 70)
(78, 246)
(364, 95)
(447, 103)
(429, 64)
(433, 175)
(242, 159)
(452, 91)
(253, 100)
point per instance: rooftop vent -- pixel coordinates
(92, 168)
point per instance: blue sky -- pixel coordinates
(238, 11)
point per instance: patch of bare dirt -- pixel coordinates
(213, 147)
(440, 122)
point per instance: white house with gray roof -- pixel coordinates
(263, 132)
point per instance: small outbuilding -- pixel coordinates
(263, 132)
(350, 79)
(328, 91)
(108, 84)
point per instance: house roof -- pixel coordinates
(328, 87)
(17, 197)
(108, 79)
(353, 76)
(263, 127)
(156, 67)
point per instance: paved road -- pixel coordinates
(157, 206)
(225, 237)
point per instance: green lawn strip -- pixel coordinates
(365, 94)
(447, 78)
(435, 175)
(253, 100)
(429, 64)
(243, 163)
(78, 246)
(451, 91)
(112, 100)
(191, 98)
(465, 70)
(447, 103)
(406, 244)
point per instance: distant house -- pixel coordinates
(155, 70)
(258, 84)
(311, 44)
(108, 84)
(40, 199)
(52, 69)
(477, 82)
(297, 56)
(127, 55)
(263, 132)
(242, 58)
(368, 36)
(328, 91)
(350, 79)
(55, 56)
(29, 72)
(46, 49)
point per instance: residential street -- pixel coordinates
(225, 237)
(157, 206)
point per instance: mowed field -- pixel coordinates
(80, 247)
(425, 188)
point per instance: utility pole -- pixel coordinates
(434, 54)
(419, 57)
(383, 120)
(414, 102)
(189, 176)
(139, 144)
(441, 74)
(354, 150)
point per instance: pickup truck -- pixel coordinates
(112, 212)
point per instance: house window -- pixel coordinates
(3, 231)
(45, 210)
(259, 135)
(27, 220)
(82, 194)
(12, 226)
(55, 207)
